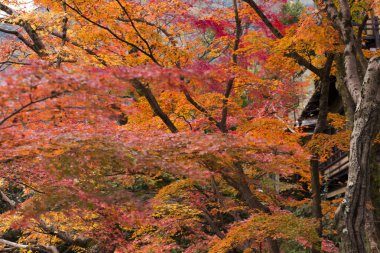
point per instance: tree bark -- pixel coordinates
(366, 96)
(316, 198)
(348, 103)
(373, 210)
(357, 193)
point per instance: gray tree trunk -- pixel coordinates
(348, 103)
(357, 194)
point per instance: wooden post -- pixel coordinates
(375, 27)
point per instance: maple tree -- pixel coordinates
(158, 126)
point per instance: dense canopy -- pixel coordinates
(171, 126)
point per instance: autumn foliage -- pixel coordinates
(156, 126)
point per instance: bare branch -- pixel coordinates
(5, 198)
(39, 248)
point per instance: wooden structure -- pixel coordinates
(335, 169)
(371, 33)
(335, 173)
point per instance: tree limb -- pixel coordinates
(138, 32)
(137, 84)
(297, 57)
(65, 236)
(198, 106)
(5, 198)
(238, 34)
(39, 248)
(32, 102)
(6, 9)
(113, 33)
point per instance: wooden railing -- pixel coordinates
(337, 155)
(371, 31)
(334, 172)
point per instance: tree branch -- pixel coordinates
(65, 236)
(19, 36)
(361, 29)
(160, 28)
(238, 33)
(64, 32)
(38, 46)
(198, 106)
(89, 51)
(138, 85)
(39, 248)
(297, 57)
(32, 102)
(112, 33)
(264, 18)
(5, 198)
(6, 9)
(138, 32)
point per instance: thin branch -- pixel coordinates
(297, 57)
(32, 102)
(5, 198)
(198, 106)
(89, 51)
(112, 33)
(238, 34)
(287, 126)
(187, 122)
(137, 31)
(14, 62)
(160, 28)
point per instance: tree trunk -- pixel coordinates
(357, 194)
(348, 103)
(316, 198)
(314, 162)
(320, 127)
(242, 186)
(373, 212)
